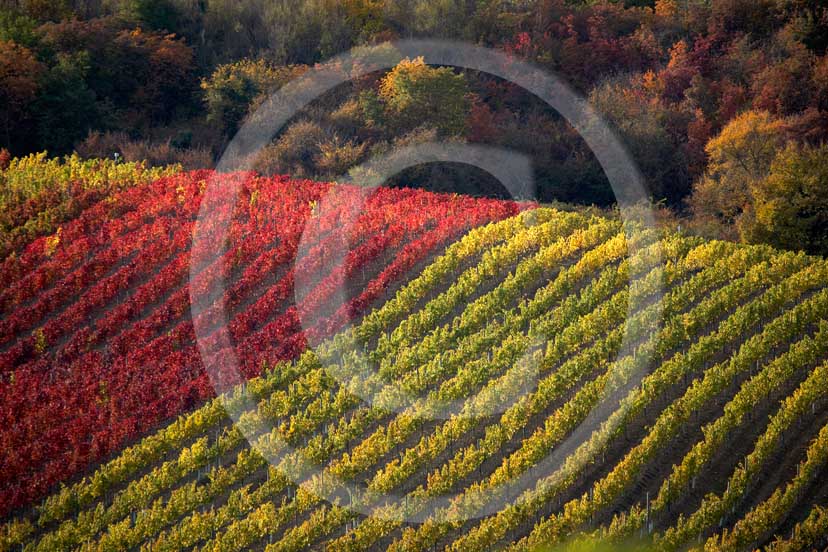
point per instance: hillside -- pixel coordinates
(716, 430)
(97, 341)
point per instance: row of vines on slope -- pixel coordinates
(565, 301)
(99, 347)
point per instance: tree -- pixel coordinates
(820, 83)
(739, 155)
(810, 18)
(18, 28)
(288, 31)
(646, 125)
(791, 204)
(20, 74)
(161, 69)
(756, 17)
(784, 86)
(66, 107)
(139, 77)
(46, 10)
(414, 94)
(233, 89)
(746, 146)
(153, 14)
(445, 18)
(365, 18)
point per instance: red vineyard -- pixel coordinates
(97, 338)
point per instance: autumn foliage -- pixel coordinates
(98, 345)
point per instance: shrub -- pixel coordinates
(154, 153)
(294, 152)
(348, 119)
(336, 156)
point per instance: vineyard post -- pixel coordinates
(648, 510)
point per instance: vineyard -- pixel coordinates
(96, 342)
(711, 359)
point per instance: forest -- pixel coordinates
(723, 105)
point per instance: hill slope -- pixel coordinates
(97, 345)
(715, 429)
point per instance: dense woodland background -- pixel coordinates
(723, 104)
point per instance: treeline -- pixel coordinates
(723, 104)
